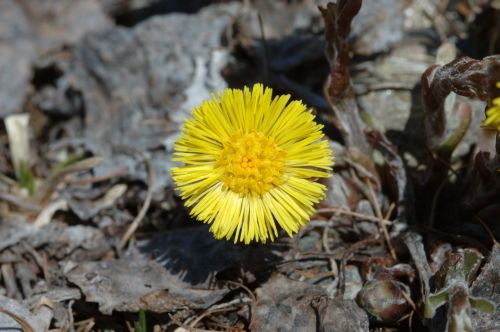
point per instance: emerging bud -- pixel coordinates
(384, 299)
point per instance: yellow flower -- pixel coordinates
(492, 120)
(250, 161)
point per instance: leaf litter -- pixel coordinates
(93, 236)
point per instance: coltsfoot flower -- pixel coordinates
(492, 120)
(250, 161)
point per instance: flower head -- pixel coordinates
(250, 160)
(492, 120)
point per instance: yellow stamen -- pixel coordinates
(251, 163)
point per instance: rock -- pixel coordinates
(28, 29)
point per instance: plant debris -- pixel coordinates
(94, 237)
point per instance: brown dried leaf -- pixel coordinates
(293, 306)
(135, 283)
(338, 18)
(338, 86)
(464, 76)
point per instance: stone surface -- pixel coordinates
(29, 29)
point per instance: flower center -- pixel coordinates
(252, 163)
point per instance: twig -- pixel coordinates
(391, 208)
(252, 296)
(349, 252)
(437, 19)
(8, 181)
(266, 50)
(41, 260)
(207, 313)
(18, 201)
(229, 306)
(50, 184)
(333, 264)
(45, 268)
(238, 284)
(21, 321)
(218, 324)
(187, 328)
(364, 173)
(104, 177)
(83, 324)
(129, 326)
(409, 300)
(319, 256)
(71, 317)
(364, 89)
(9, 279)
(149, 195)
(354, 214)
(378, 212)
(455, 238)
(410, 321)
(488, 230)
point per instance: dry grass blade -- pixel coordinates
(378, 211)
(21, 321)
(385, 221)
(185, 328)
(85, 325)
(347, 254)
(252, 296)
(50, 184)
(488, 230)
(104, 177)
(230, 306)
(17, 201)
(333, 264)
(207, 313)
(147, 202)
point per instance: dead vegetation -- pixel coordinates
(94, 238)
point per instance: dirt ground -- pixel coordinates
(93, 234)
